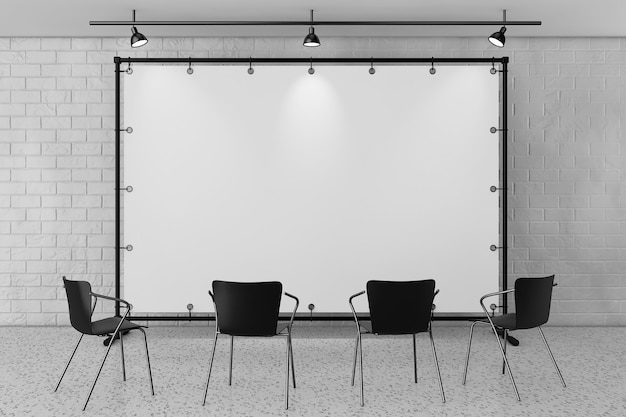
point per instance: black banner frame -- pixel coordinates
(503, 188)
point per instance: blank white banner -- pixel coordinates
(320, 181)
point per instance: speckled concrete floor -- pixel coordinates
(593, 362)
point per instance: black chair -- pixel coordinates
(532, 309)
(397, 308)
(250, 309)
(79, 299)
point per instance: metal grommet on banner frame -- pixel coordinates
(189, 69)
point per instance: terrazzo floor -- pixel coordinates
(593, 362)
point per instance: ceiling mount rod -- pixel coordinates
(317, 23)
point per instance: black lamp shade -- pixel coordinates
(498, 38)
(311, 39)
(137, 39)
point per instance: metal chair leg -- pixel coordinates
(552, 356)
(145, 339)
(495, 332)
(68, 362)
(504, 338)
(361, 365)
(122, 351)
(100, 370)
(206, 390)
(432, 342)
(287, 376)
(414, 358)
(230, 368)
(356, 349)
(293, 367)
(469, 346)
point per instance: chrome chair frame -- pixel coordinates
(117, 331)
(358, 348)
(505, 362)
(289, 360)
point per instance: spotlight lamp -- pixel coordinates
(497, 38)
(137, 39)
(311, 40)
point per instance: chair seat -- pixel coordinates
(505, 321)
(280, 329)
(366, 327)
(108, 326)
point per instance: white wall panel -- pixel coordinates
(320, 181)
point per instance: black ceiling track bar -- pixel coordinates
(307, 61)
(317, 23)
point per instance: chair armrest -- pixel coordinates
(432, 307)
(293, 314)
(217, 327)
(129, 306)
(356, 318)
(493, 294)
(95, 301)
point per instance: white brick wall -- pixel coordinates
(567, 162)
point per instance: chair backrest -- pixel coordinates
(247, 308)
(79, 303)
(400, 307)
(532, 301)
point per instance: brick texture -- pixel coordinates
(567, 166)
